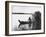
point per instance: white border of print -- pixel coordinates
(24, 32)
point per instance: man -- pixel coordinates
(37, 20)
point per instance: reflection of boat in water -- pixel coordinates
(25, 22)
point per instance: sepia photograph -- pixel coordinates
(25, 18)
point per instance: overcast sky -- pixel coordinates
(25, 9)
